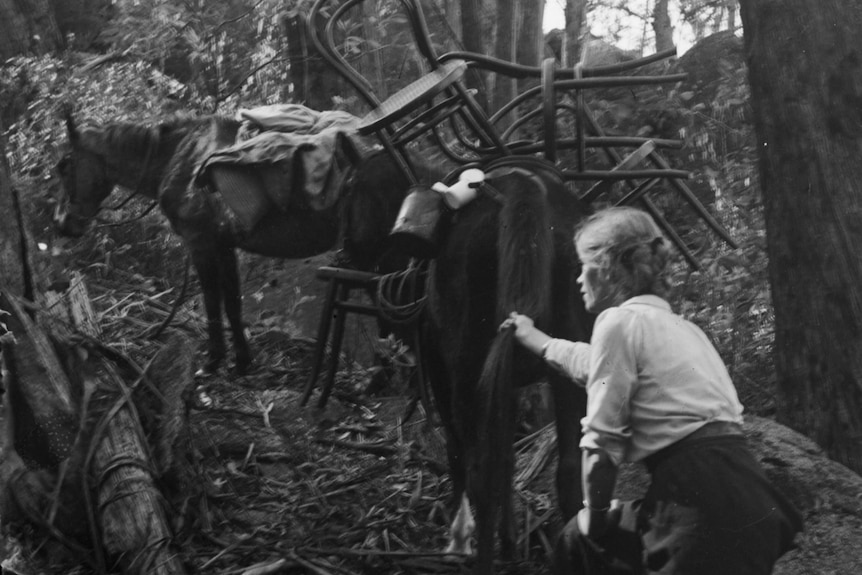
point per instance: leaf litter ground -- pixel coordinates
(356, 487)
(270, 486)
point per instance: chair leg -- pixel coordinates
(322, 337)
(337, 337)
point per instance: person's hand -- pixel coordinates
(595, 523)
(523, 324)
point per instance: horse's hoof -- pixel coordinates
(207, 371)
(201, 399)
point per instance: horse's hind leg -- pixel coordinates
(233, 307)
(442, 387)
(207, 266)
(569, 407)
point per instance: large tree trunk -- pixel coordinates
(29, 26)
(806, 81)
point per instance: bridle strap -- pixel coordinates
(151, 145)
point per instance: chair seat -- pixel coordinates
(412, 96)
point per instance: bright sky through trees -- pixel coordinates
(623, 30)
(554, 17)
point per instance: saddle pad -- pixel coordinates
(243, 192)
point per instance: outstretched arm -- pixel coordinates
(526, 333)
(570, 357)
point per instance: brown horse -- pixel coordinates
(510, 249)
(159, 162)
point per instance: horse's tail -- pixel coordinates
(525, 253)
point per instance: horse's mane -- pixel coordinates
(136, 139)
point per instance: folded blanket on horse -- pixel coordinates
(292, 164)
(295, 118)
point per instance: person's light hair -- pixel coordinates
(628, 246)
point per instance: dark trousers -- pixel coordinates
(709, 510)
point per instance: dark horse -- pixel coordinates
(159, 162)
(510, 249)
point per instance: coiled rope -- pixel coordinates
(401, 296)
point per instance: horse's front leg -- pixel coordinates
(233, 307)
(207, 267)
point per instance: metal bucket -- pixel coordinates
(415, 231)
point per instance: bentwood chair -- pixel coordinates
(440, 104)
(437, 96)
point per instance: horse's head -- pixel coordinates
(84, 183)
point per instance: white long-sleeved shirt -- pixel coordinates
(652, 378)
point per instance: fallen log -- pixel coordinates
(134, 524)
(90, 440)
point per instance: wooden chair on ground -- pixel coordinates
(396, 298)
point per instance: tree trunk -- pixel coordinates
(731, 15)
(14, 258)
(29, 26)
(471, 19)
(576, 13)
(452, 10)
(806, 82)
(314, 81)
(502, 89)
(372, 59)
(83, 19)
(528, 24)
(662, 26)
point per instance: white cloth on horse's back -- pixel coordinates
(296, 118)
(304, 155)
